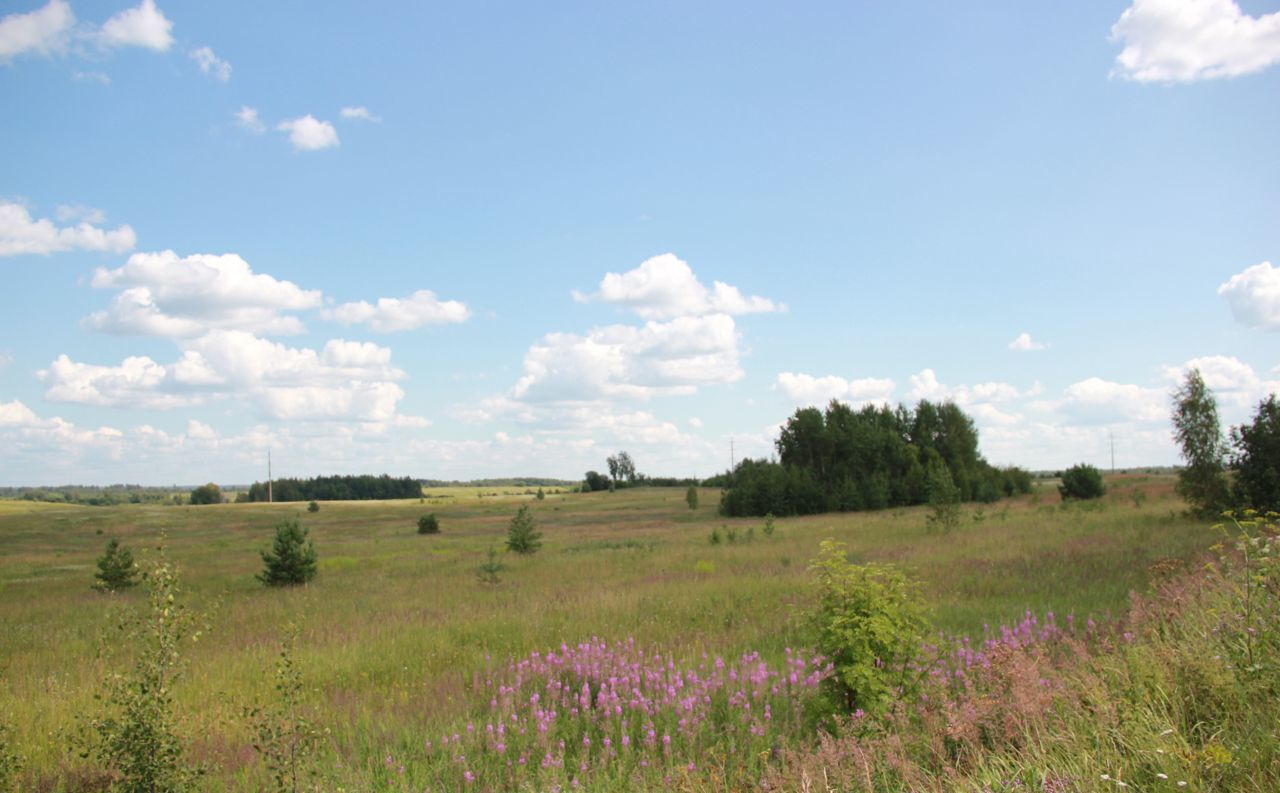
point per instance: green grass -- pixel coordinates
(396, 625)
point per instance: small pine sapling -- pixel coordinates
(116, 569)
(428, 524)
(292, 558)
(523, 536)
(488, 571)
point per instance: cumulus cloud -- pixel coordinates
(211, 65)
(43, 31)
(247, 118)
(344, 381)
(309, 134)
(1188, 40)
(1254, 296)
(392, 314)
(1234, 383)
(359, 114)
(164, 294)
(623, 361)
(1095, 400)
(664, 287)
(925, 385)
(22, 234)
(143, 26)
(1024, 343)
(812, 390)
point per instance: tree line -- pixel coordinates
(843, 459)
(338, 488)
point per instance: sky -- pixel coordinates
(460, 240)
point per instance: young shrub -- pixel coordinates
(284, 738)
(944, 499)
(313, 507)
(488, 572)
(116, 570)
(768, 525)
(292, 558)
(750, 534)
(428, 524)
(1081, 481)
(714, 539)
(134, 737)
(523, 535)
(870, 624)
(541, 496)
(691, 497)
(731, 535)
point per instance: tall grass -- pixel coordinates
(395, 631)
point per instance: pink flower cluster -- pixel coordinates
(598, 707)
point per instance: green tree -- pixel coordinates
(870, 623)
(691, 497)
(523, 535)
(488, 571)
(207, 494)
(1203, 481)
(116, 569)
(540, 495)
(1081, 481)
(1256, 458)
(135, 735)
(428, 524)
(292, 558)
(944, 498)
(313, 507)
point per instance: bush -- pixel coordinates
(1081, 481)
(691, 497)
(207, 494)
(870, 624)
(523, 535)
(292, 558)
(428, 524)
(135, 736)
(540, 495)
(768, 525)
(116, 570)
(488, 572)
(313, 507)
(282, 735)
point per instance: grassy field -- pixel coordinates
(396, 630)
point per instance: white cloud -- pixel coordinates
(925, 385)
(247, 118)
(359, 114)
(664, 287)
(211, 65)
(622, 361)
(79, 212)
(344, 381)
(309, 134)
(91, 77)
(21, 234)
(1024, 343)
(396, 314)
(1095, 400)
(820, 390)
(1254, 296)
(42, 31)
(695, 422)
(1234, 383)
(181, 297)
(144, 26)
(1187, 40)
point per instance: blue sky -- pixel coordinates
(509, 239)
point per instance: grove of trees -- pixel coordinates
(338, 488)
(843, 459)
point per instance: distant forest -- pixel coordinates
(338, 488)
(846, 460)
(519, 481)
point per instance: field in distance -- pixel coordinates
(396, 627)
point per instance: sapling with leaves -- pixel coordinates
(286, 740)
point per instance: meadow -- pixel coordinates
(400, 644)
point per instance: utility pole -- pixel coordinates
(269, 499)
(732, 461)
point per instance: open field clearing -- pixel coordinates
(398, 639)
